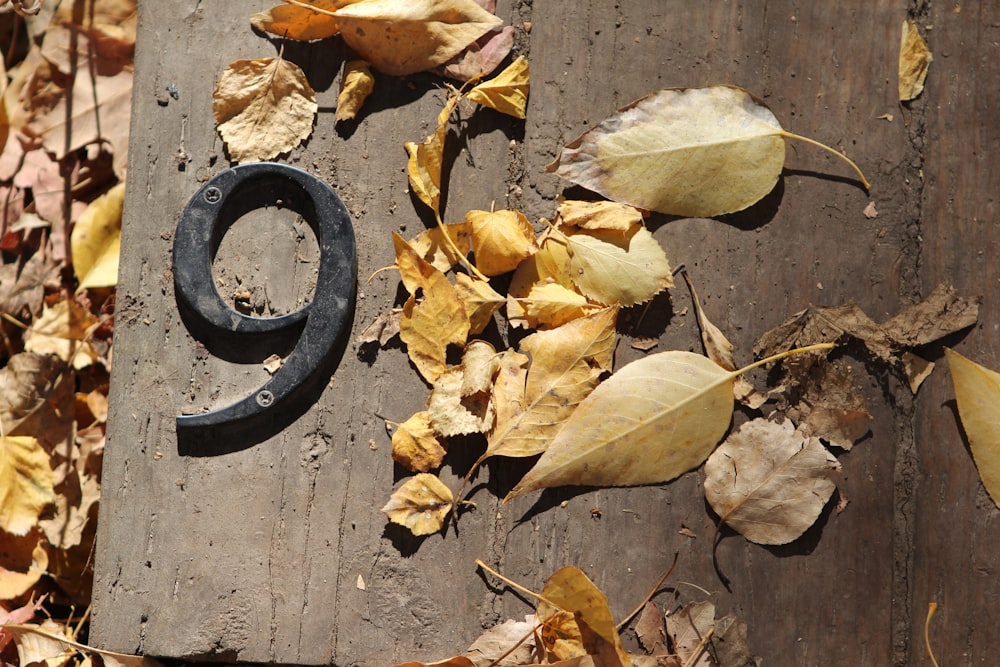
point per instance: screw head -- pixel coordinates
(265, 398)
(213, 195)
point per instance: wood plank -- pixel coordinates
(183, 574)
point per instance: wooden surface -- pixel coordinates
(257, 555)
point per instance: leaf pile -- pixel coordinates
(63, 137)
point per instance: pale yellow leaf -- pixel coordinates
(430, 326)
(421, 504)
(507, 92)
(454, 412)
(424, 164)
(299, 23)
(566, 364)
(434, 248)
(599, 215)
(479, 364)
(401, 38)
(26, 483)
(770, 482)
(693, 152)
(914, 59)
(508, 387)
(356, 84)
(549, 304)
(575, 594)
(414, 270)
(653, 420)
(480, 301)
(623, 268)
(96, 240)
(977, 394)
(500, 240)
(263, 108)
(415, 445)
(549, 264)
(63, 330)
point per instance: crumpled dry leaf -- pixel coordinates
(96, 240)
(405, 38)
(653, 420)
(461, 402)
(769, 482)
(482, 56)
(828, 406)
(22, 287)
(432, 246)
(507, 92)
(40, 643)
(26, 483)
(977, 394)
(300, 23)
(613, 267)
(421, 504)
(64, 330)
(499, 641)
(599, 215)
(15, 583)
(383, 328)
(687, 629)
(500, 240)
(356, 84)
(582, 604)
(424, 164)
(694, 152)
(29, 384)
(263, 108)
(415, 446)
(566, 364)
(549, 265)
(914, 59)
(480, 301)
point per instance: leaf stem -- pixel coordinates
(782, 355)
(931, 608)
(306, 5)
(518, 587)
(857, 170)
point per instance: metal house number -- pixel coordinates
(319, 325)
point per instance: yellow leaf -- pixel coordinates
(96, 240)
(695, 152)
(653, 420)
(549, 264)
(424, 164)
(26, 482)
(432, 246)
(566, 364)
(573, 592)
(480, 301)
(550, 305)
(914, 59)
(414, 270)
(452, 411)
(770, 482)
(430, 326)
(508, 387)
(977, 393)
(421, 504)
(507, 92)
(63, 330)
(300, 23)
(500, 240)
(13, 583)
(356, 84)
(401, 38)
(599, 215)
(415, 446)
(614, 267)
(263, 108)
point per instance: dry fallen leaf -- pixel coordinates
(41, 644)
(587, 608)
(432, 246)
(457, 661)
(401, 38)
(356, 84)
(549, 305)
(13, 582)
(504, 645)
(599, 215)
(26, 483)
(687, 628)
(549, 265)
(300, 23)
(424, 164)
(770, 482)
(612, 267)
(96, 240)
(500, 240)
(695, 152)
(64, 330)
(507, 92)
(415, 446)
(914, 59)
(480, 301)
(263, 108)
(383, 328)
(460, 402)
(653, 420)
(977, 394)
(649, 628)
(421, 504)
(482, 56)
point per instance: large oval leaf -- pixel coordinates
(650, 422)
(977, 394)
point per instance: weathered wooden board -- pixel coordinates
(259, 555)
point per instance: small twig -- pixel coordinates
(518, 587)
(931, 608)
(700, 648)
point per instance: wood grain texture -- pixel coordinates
(256, 555)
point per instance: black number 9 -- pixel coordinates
(320, 324)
